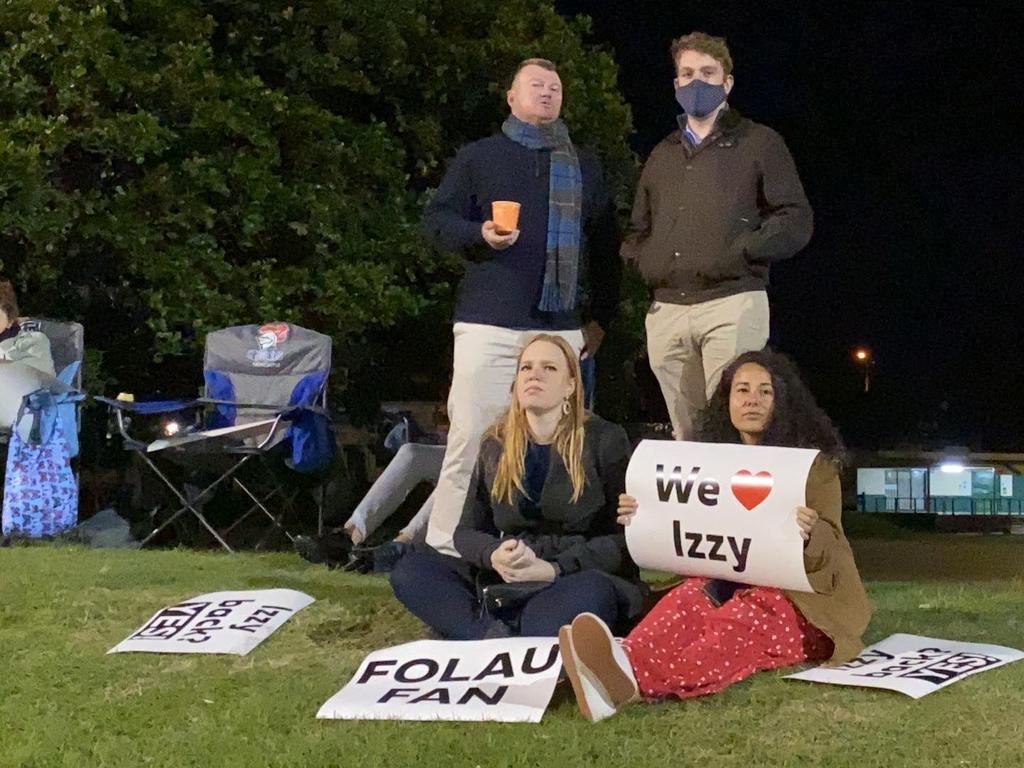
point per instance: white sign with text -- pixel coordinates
(720, 511)
(509, 680)
(220, 622)
(913, 665)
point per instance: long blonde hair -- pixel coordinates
(512, 431)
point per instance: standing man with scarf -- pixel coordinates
(522, 283)
(719, 201)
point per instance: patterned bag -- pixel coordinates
(40, 492)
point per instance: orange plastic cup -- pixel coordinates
(505, 215)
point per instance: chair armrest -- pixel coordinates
(152, 407)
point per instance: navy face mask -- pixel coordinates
(700, 99)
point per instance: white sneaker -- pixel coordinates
(599, 670)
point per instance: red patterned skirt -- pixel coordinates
(688, 647)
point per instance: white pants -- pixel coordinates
(484, 371)
(690, 345)
(413, 464)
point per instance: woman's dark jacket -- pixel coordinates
(578, 536)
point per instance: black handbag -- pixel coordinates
(503, 599)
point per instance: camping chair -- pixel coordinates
(266, 395)
(60, 401)
(67, 347)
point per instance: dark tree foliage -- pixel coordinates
(168, 167)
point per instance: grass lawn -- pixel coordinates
(64, 703)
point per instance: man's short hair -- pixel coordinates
(701, 42)
(8, 300)
(542, 63)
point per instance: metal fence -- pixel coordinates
(941, 505)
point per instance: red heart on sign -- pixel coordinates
(750, 489)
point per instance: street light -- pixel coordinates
(862, 357)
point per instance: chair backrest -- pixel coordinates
(67, 342)
(275, 364)
(67, 346)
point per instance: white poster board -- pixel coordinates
(720, 511)
(507, 680)
(219, 622)
(913, 665)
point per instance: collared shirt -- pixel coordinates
(684, 123)
(693, 137)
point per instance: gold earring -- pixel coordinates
(565, 407)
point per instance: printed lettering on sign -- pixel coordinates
(509, 680)
(221, 622)
(170, 621)
(912, 665)
(719, 511)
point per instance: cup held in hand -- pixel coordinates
(505, 215)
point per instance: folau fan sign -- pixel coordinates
(507, 680)
(719, 511)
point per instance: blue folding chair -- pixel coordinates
(265, 399)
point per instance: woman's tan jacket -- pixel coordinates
(838, 606)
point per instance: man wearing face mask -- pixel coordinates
(524, 282)
(719, 201)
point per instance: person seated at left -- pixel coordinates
(414, 463)
(539, 523)
(17, 345)
(25, 361)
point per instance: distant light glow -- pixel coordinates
(951, 468)
(171, 428)
(861, 355)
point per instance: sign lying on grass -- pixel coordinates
(720, 511)
(509, 680)
(220, 622)
(914, 665)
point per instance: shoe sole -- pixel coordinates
(573, 672)
(592, 643)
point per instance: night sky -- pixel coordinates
(898, 118)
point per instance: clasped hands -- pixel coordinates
(515, 561)
(806, 517)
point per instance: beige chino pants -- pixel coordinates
(689, 345)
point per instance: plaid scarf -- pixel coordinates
(565, 204)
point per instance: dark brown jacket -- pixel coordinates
(708, 221)
(838, 606)
(581, 535)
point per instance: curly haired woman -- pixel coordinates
(705, 634)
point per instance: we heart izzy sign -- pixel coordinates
(720, 511)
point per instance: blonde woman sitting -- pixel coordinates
(539, 523)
